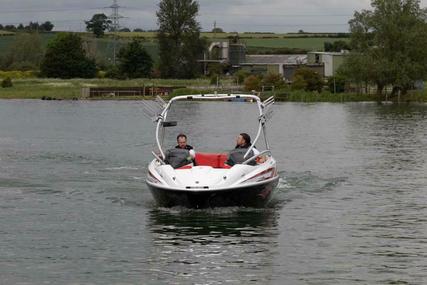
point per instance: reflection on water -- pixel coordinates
(202, 244)
(214, 222)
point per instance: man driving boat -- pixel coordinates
(183, 154)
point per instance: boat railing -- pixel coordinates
(255, 156)
(158, 158)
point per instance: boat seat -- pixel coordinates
(215, 160)
(189, 166)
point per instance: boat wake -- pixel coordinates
(294, 185)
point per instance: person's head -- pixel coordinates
(243, 140)
(181, 139)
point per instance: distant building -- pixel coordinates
(233, 53)
(230, 52)
(331, 61)
(272, 63)
(284, 64)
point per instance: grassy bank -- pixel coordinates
(326, 96)
(313, 97)
(71, 89)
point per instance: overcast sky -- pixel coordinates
(231, 15)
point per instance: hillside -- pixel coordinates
(102, 49)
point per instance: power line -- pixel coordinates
(207, 14)
(44, 10)
(115, 25)
(283, 25)
(274, 15)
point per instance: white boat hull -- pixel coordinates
(207, 187)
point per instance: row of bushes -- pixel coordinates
(289, 95)
(110, 72)
(304, 79)
(17, 74)
(6, 83)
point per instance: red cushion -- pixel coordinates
(185, 167)
(215, 160)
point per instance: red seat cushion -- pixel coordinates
(215, 160)
(185, 167)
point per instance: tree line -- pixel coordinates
(31, 27)
(387, 48)
(180, 42)
(100, 23)
(66, 56)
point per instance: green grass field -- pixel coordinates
(312, 44)
(102, 48)
(5, 33)
(209, 35)
(69, 89)
(7, 40)
(255, 40)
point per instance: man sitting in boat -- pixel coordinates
(181, 139)
(236, 156)
(183, 154)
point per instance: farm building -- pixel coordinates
(331, 61)
(284, 64)
(226, 52)
(234, 54)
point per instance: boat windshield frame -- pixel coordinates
(262, 116)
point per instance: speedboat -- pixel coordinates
(209, 181)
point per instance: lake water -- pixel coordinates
(351, 207)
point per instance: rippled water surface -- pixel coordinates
(351, 206)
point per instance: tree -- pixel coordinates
(240, 76)
(134, 60)
(180, 45)
(336, 84)
(33, 27)
(336, 46)
(217, 30)
(66, 58)
(253, 83)
(47, 26)
(274, 79)
(389, 44)
(307, 80)
(10, 28)
(98, 25)
(7, 83)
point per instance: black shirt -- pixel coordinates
(187, 147)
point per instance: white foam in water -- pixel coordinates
(138, 178)
(283, 184)
(211, 211)
(122, 168)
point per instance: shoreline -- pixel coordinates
(71, 90)
(100, 99)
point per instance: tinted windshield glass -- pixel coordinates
(209, 124)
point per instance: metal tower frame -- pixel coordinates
(115, 25)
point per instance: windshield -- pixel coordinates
(212, 126)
